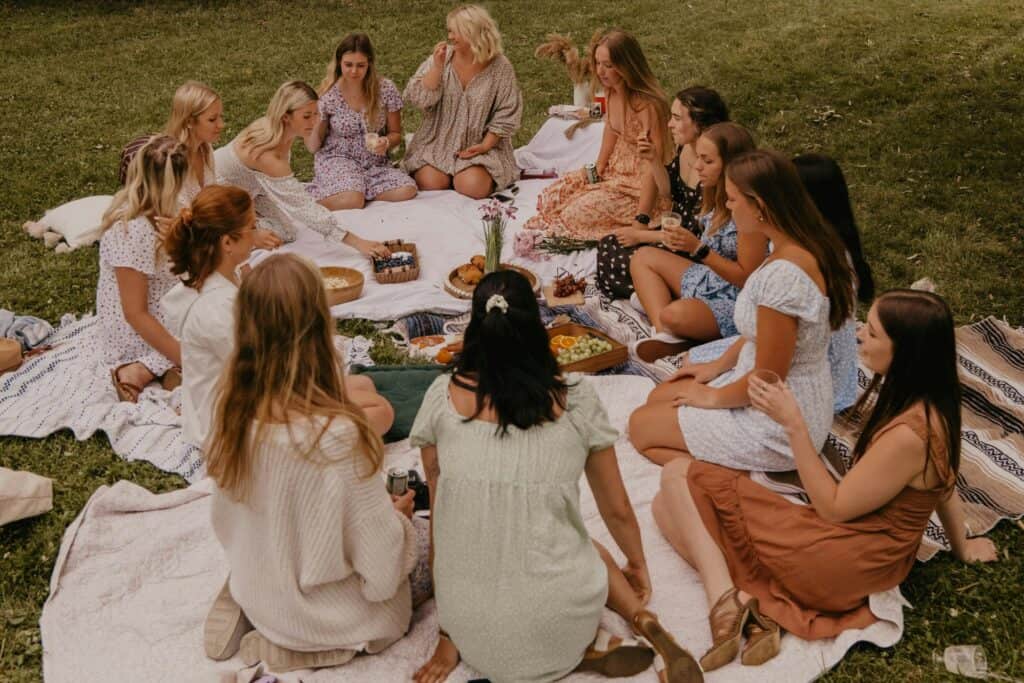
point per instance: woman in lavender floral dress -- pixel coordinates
(360, 120)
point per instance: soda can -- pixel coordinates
(595, 111)
(591, 170)
(398, 481)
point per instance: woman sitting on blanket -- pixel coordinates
(637, 113)
(826, 185)
(765, 561)
(520, 585)
(319, 555)
(259, 161)
(785, 314)
(360, 120)
(693, 111)
(691, 298)
(135, 272)
(471, 106)
(197, 119)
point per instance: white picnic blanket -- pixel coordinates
(550, 149)
(137, 572)
(446, 228)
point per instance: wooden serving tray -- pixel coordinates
(602, 361)
(343, 294)
(460, 290)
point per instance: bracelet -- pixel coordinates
(642, 219)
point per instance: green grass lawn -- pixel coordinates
(920, 101)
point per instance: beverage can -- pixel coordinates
(591, 170)
(595, 111)
(398, 481)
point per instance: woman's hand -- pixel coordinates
(776, 401)
(640, 580)
(474, 150)
(680, 239)
(695, 395)
(702, 373)
(404, 503)
(265, 239)
(440, 52)
(629, 237)
(980, 549)
(381, 146)
(369, 248)
(644, 147)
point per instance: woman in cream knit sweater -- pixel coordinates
(320, 555)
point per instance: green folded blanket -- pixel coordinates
(403, 386)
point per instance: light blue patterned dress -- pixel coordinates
(701, 283)
(745, 438)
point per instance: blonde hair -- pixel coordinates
(475, 24)
(359, 43)
(284, 365)
(154, 180)
(191, 100)
(267, 131)
(628, 58)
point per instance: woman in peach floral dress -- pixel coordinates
(637, 115)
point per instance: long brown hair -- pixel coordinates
(356, 42)
(193, 240)
(641, 83)
(770, 179)
(284, 365)
(731, 140)
(923, 369)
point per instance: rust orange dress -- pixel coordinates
(810, 575)
(574, 207)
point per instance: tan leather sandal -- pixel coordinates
(727, 617)
(673, 663)
(126, 391)
(764, 639)
(615, 657)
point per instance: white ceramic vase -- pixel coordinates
(581, 95)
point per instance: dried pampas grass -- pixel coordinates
(561, 49)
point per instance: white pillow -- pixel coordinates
(78, 221)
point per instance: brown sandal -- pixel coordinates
(171, 379)
(126, 391)
(615, 657)
(763, 639)
(673, 663)
(727, 617)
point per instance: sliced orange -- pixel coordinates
(567, 342)
(554, 347)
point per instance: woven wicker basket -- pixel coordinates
(350, 292)
(392, 276)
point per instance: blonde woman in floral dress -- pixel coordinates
(471, 106)
(637, 110)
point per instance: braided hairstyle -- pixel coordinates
(193, 242)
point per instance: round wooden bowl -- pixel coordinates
(351, 291)
(460, 290)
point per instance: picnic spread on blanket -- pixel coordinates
(137, 572)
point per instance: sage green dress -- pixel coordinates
(519, 585)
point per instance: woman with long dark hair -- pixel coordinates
(520, 585)
(766, 562)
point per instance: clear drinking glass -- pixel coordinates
(371, 141)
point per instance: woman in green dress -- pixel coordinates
(520, 586)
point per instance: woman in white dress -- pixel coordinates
(259, 162)
(785, 315)
(135, 273)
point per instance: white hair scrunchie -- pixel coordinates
(496, 301)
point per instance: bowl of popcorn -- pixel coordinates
(342, 284)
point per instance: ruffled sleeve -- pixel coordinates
(131, 245)
(786, 288)
(389, 95)
(507, 112)
(424, 430)
(588, 415)
(419, 96)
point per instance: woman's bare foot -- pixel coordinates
(130, 379)
(444, 661)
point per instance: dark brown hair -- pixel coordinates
(731, 140)
(771, 180)
(705, 106)
(193, 241)
(923, 369)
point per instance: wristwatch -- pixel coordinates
(642, 219)
(701, 253)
